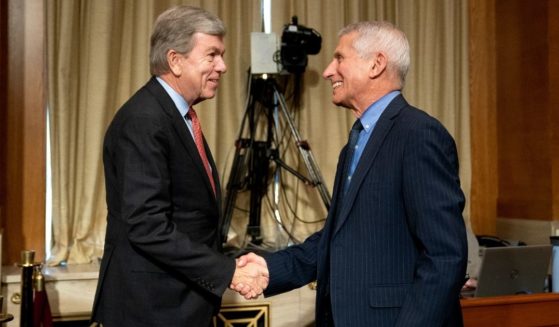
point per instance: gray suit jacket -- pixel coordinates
(394, 252)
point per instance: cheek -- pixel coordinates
(207, 68)
(355, 79)
(204, 78)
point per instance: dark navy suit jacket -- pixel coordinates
(394, 252)
(161, 264)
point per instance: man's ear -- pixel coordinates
(173, 59)
(378, 65)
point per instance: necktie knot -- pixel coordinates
(357, 126)
(191, 114)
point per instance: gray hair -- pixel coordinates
(373, 37)
(174, 29)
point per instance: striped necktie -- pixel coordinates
(199, 140)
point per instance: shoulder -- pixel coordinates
(145, 105)
(416, 129)
(141, 114)
(143, 102)
(417, 117)
(414, 120)
(401, 112)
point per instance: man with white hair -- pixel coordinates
(393, 249)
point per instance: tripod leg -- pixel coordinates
(252, 159)
(258, 185)
(234, 185)
(304, 149)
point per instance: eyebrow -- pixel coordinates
(215, 49)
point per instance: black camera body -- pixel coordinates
(298, 41)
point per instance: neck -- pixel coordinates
(172, 81)
(371, 97)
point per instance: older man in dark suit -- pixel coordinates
(393, 250)
(162, 264)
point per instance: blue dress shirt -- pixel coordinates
(369, 120)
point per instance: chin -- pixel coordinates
(208, 95)
(341, 104)
(338, 102)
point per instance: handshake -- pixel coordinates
(251, 276)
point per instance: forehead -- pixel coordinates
(204, 42)
(345, 43)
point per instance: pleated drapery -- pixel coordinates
(98, 57)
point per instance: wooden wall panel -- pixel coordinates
(523, 110)
(3, 103)
(483, 118)
(24, 125)
(514, 75)
(553, 36)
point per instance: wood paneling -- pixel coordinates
(3, 103)
(24, 128)
(483, 118)
(553, 36)
(514, 72)
(523, 131)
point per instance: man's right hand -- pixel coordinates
(251, 276)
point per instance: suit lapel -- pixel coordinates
(215, 173)
(381, 130)
(184, 135)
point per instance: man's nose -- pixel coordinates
(328, 72)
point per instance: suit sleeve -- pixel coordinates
(297, 265)
(434, 203)
(140, 157)
(293, 267)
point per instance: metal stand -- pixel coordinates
(252, 156)
(27, 268)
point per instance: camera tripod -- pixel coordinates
(250, 168)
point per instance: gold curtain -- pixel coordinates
(98, 57)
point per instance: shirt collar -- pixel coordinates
(373, 112)
(179, 101)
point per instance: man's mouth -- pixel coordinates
(335, 85)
